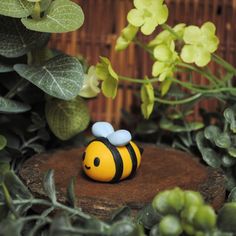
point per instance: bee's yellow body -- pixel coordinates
(105, 162)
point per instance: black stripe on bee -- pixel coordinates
(133, 159)
(117, 159)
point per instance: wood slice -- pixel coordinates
(161, 168)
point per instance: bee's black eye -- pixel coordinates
(96, 161)
(83, 157)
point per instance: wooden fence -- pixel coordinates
(104, 19)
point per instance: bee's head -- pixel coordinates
(98, 161)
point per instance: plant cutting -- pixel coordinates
(176, 50)
(40, 87)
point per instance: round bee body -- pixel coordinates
(105, 162)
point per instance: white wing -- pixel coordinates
(102, 129)
(120, 137)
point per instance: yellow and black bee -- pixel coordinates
(112, 156)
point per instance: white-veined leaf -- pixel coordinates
(61, 76)
(16, 8)
(11, 106)
(61, 16)
(16, 40)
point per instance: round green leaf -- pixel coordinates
(211, 132)
(11, 106)
(223, 140)
(61, 76)
(67, 118)
(232, 195)
(230, 118)
(3, 142)
(16, 40)
(126, 228)
(16, 8)
(228, 161)
(61, 16)
(232, 152)
(227, 218)
(211, 157)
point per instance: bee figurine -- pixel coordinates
(112, 156)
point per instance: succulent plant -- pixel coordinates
(218, 145)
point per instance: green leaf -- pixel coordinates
(147, 97)
(17, 191)
(232, 195)
(121, 214)
(11, 106)
(232, 152)
(148, 217)
(61, 76)
(227, 218)
(211, 157)
(146, 128)
(61, 16)
(10, 227)
(67, 118)
(187, 127)
(223, 140)
(211, 132)
(105, 72)
(49, 185)
(71, 197)
(16, 40)
(60, 222)
(5, 68)
(228, 161)
(230, 118)
(126, 228)
(3, 142)
(16, 8)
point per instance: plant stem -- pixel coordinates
(19, 86)
(168, 28)
(36, 11)
(140, 81)
(178, 102)
(8, 200)
(209, 76)
(142, 45)
(205, 90)
(224, 63)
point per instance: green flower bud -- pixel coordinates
(205, 218)
(188, 213)
(170, 225)
(193, 198)
(188, 228)
(176, 199)
(160, 203)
